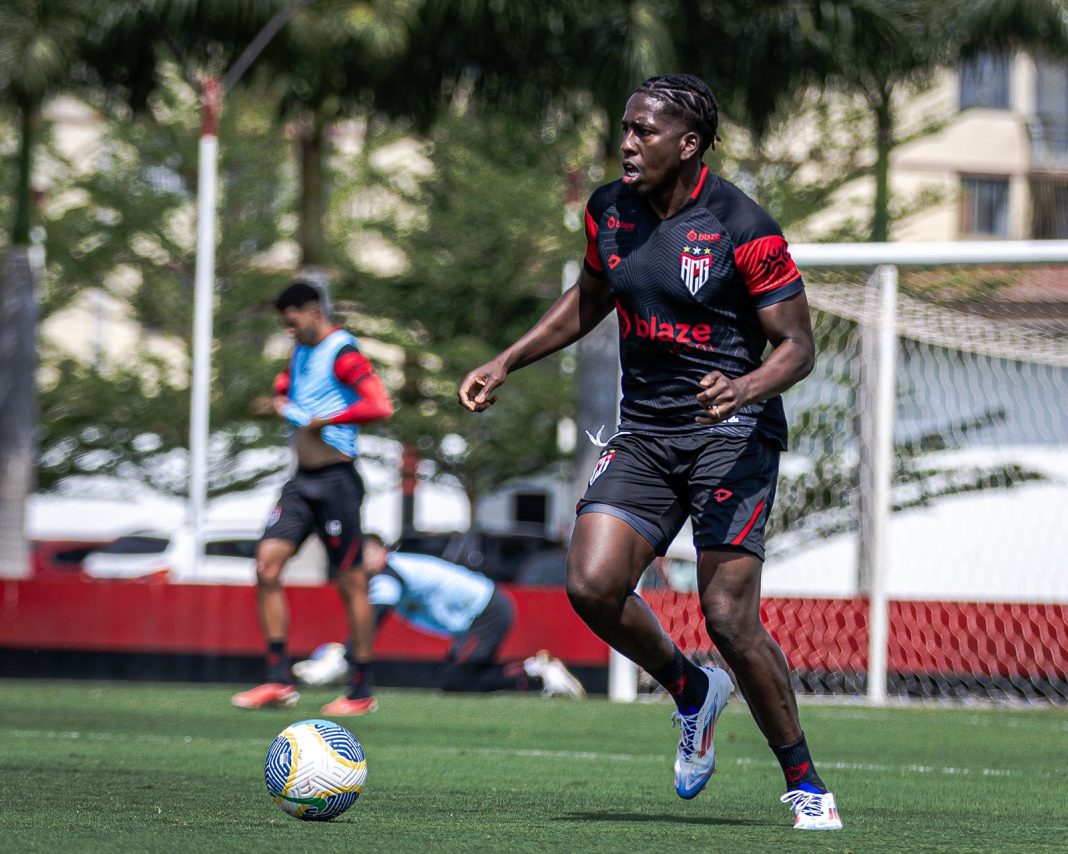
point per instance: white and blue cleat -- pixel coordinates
(695, 760)
(813, 810)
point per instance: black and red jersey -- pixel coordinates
(687, 289)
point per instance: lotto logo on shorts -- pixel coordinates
(276, 514)
(602, 464)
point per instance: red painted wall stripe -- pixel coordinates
(173, 618)
(980, 638)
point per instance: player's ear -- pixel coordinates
(689, 145)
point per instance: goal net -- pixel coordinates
(917, 547)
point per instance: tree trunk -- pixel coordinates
(20, 232)
(18, 364)
(312, 192)
(884, 143)
(18, 407)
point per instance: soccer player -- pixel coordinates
(701, 281)
(325, 393)
(447, 600)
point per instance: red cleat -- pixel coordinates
(268, 694)
(345, 706)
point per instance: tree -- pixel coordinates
(130, 236)
(484, 243)
(38, 44)
(878, 49)
(324, 66)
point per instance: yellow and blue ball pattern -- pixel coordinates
(315, 770)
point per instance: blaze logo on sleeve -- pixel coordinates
(602, 464)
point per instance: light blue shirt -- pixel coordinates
(434, 595)
(316, 390)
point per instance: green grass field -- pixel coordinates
(91, 766)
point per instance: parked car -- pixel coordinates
(167, 556)
(61, 558)
(518, 556)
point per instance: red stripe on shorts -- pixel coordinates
(748, 525)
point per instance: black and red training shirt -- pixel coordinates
(687, 289)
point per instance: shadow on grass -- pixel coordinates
(667, 818)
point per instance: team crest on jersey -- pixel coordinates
(695, 267)
(602, 464)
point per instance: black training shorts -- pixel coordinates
(726, 484)
(327, 501)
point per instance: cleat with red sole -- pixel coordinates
(268, 695)
(352, 708)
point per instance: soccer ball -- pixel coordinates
(315, 770)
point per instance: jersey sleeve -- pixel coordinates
(595, 208)
(770, 273)
(351, 366)
(761, 254)
(592, 259)
(281, 382)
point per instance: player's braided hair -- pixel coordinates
(690, 99)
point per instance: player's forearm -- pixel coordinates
(362, 412)
(789, 363)
(374, 405)
(574, 314)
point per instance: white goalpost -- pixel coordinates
(942, 370)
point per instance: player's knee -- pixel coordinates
(729, 627)
(588, 591)
(268, 574)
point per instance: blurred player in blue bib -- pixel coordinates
(325, 393)
(446, 600)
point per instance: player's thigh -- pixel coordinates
(606, 557)
(632, 481)
(289, 524)
(728, 588)
(731, 493)
(337, 500)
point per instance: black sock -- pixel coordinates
(361, 679)
(278, 662)
(797, 765)
(684, 681)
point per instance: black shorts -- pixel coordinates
(725, 484)
(327, 501)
